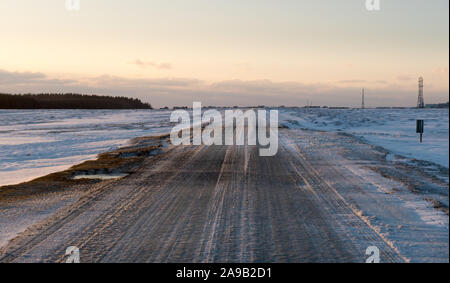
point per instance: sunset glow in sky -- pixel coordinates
(228, 52)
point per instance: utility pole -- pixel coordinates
(362, 104)
(420, 102)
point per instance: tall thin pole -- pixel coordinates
(420, 102)
(362, 104)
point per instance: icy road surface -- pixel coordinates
(320, 199)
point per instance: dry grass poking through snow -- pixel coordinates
(123, 160)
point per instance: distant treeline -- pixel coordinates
(438, 105)
(69, 101)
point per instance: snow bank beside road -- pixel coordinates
(393, 129)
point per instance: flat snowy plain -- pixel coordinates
(34, 143)
(393, 129)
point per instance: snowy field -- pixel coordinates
(393, 129)
(34, 143)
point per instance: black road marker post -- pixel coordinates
(419, 129)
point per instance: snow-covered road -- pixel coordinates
(325, 197)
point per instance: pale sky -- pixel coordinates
(228, 52)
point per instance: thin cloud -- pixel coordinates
(24, 78)
(117, 81)
(361, 82)
(146, 64)
(351, 81)
(19, 77)
(441, 71)
(404, 78)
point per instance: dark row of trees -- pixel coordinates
(69, 101)
(438, 105)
